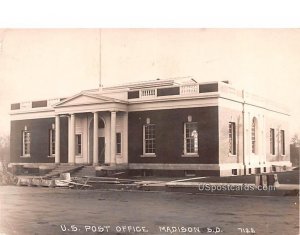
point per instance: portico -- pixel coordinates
(94, 124)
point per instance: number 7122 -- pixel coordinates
(247, 230)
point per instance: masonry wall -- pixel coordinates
(228, 115)
(39, 147)
(170, 135)
(277, 122)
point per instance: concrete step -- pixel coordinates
(63, 169)
(85, 171)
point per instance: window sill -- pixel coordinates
(52, 156)
(190, 155)
(119, 155)
(26, 156)
(80, 156)
(148, 155)
(232, 155)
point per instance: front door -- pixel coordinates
(101, 149)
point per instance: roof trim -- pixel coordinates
(99, 97)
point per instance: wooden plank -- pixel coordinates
(111, 178)
(74, 183)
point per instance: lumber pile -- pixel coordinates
(61, 178)
(66, 181)
(63, 181)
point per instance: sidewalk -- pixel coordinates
(233, 188)
(234, 185)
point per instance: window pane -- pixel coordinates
(149, 138)
(232, 138)
(191, 137)
(118, 137)
(282, 142)
(26, 143)
(253, 135)
(51, 142)
(272, 141)
(118, 142)
(78, 144)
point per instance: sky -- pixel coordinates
(47, 63)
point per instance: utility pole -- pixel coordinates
(100, 67)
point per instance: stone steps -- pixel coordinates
(85, 171)
(63, 169)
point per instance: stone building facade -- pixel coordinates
(177, 127)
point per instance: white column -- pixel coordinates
(57, 139)
(72, 140)
(125, 138)
(95, 140)
(113, 138)
(107, 139)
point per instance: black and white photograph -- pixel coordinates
(149, 130)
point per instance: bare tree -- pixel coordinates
(295, 150)
(295, 140)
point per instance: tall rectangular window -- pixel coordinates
(191, 138)
(26, 143)
(78, 148)
(282, 138)
(51, 142)
(272, 141)
(232, 138)
(118, 142)
(149, 139)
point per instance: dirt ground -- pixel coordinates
(29, 210)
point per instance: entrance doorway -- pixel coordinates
(101, 150)
(101, 141)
